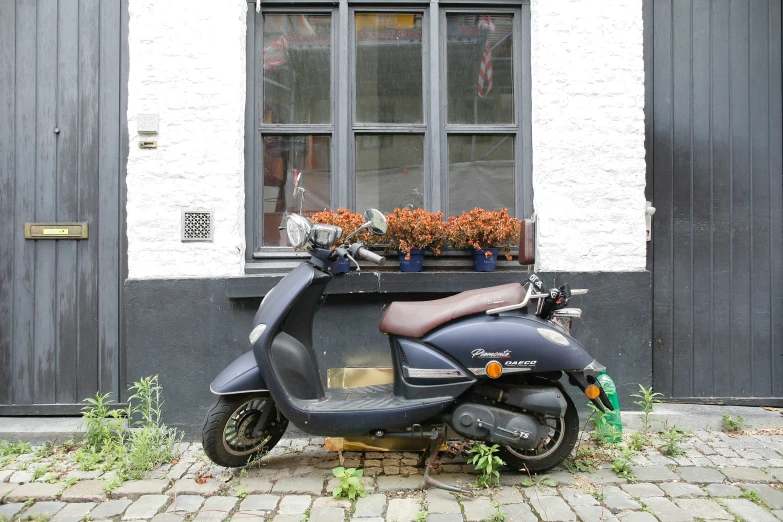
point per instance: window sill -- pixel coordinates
(445, 274)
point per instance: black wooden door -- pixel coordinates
(713, 111)
(60, 161)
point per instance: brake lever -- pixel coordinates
(350, 257)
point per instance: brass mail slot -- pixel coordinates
(55, 230)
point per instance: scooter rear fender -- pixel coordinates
(241, 376)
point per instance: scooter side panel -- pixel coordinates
(521, 343)
(241, 376)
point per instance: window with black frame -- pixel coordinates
(382, 108)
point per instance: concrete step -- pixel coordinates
(38, 430)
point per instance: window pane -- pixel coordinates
(283, 157)
(388, 68)
(480, 79)
(297, 65)
(481, 173)
(389, 171)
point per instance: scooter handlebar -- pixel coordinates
(362, 253)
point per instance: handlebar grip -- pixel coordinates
(371, 257)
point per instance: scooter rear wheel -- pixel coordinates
(564, 432)
(228, 428)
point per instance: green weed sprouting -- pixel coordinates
(498, 515)
(622, 465)
(647, 401)
(349, 486)
(672, 438)
(751, 495)
(730, 425)
(129, 441)
(10, 450)
(541, 482)
(485, 461)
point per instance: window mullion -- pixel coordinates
(524, 146)
(343, 170)
(433, 145)
(443, 168)
(258, 104)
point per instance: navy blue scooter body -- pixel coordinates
(520, 342)
(241, 376)
(286, 360)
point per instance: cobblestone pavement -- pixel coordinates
(719, 477)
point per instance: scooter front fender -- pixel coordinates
(241, 376)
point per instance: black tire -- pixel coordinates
(234, 448)
(557, 453)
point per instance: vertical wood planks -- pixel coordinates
(67, 204)
(87, 297)
(716, 174)
(53, 55)
(108, 233)
(24, 209)
(682, 177)
(44, 390)
(776, 198)
(7, 189)
(701, 239)
(720, 144)
(740, 198)
(662, 159)
(758, 100)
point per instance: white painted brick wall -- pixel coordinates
(588, 134)
(187, 63)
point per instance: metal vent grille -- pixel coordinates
(197, 225)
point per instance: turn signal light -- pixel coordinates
(494, 370)
(592, 391)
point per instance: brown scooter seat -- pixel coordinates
(415, 318)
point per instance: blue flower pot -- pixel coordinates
(482, 263)
(413, 264)
(341, 266)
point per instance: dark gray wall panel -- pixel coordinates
(187, 330)
(60, 101)
(714, 174)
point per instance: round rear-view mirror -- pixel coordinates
(377, 221)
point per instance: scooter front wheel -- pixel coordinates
(240, 428)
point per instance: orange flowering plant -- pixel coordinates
(345, 219)
(481, 229)
(409, 229)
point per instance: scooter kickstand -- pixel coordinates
(427, 480)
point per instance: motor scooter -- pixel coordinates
(486, 363)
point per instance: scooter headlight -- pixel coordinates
(298, 229)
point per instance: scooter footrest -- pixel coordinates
(379, 397)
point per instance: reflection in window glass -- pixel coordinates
(388, 68)
(480, 81)
(481, 172)
(297, 66)
(389, 171)
(285, 157)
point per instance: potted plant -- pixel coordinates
(485, 232)
(349, 222)
(411, 232)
